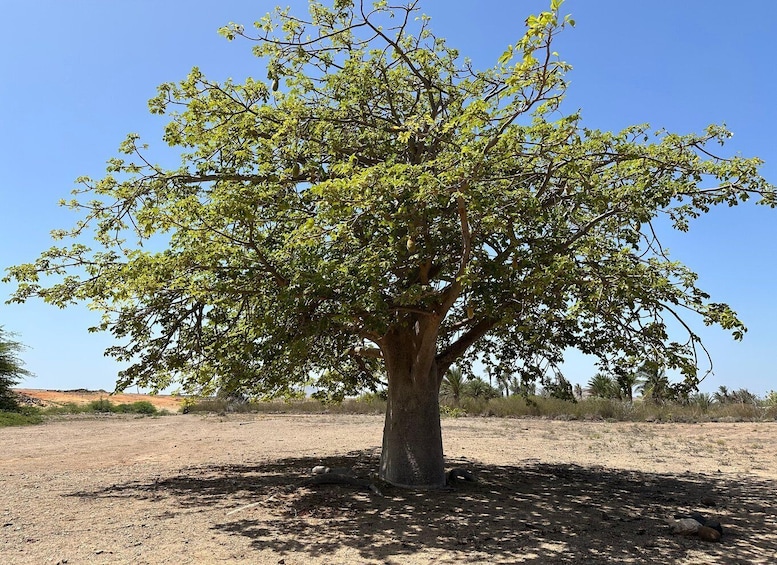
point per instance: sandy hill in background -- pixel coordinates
(83, 396)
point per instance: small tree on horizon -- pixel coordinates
(378, 205)
(11, 370)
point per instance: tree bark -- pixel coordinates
(412, 454)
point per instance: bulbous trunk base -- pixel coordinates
(412, 454)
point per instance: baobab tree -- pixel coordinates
(380, 207)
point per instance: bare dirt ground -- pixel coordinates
(194, 489)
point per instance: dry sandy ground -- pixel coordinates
(193, 489)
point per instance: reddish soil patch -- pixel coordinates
(191, 489)
(60, 397)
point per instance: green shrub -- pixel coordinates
(213, 405)
(139, 407)
(513, 406)
(104, 406)
(372, 404)
(374, 397)
(101, 405)
(66, 408)
(451, 411)
(23, 416)
(475, 406)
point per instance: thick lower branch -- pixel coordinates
(455, 350)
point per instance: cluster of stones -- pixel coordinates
(27, 400)
(696, 524)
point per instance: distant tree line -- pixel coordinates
(649, 383)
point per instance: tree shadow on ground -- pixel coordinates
(535, 513)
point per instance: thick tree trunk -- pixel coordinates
(412, 454)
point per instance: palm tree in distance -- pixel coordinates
(453, 384)
(653, 383)
(602, 386)
(722, 396)
(625, 382)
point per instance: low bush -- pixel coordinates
(447, 411)
(140, 407)
(215, 405)
(20, 417)
(66, 408)
(104, 406)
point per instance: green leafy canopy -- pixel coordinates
(374, 181)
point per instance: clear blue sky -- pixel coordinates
(76, 77)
